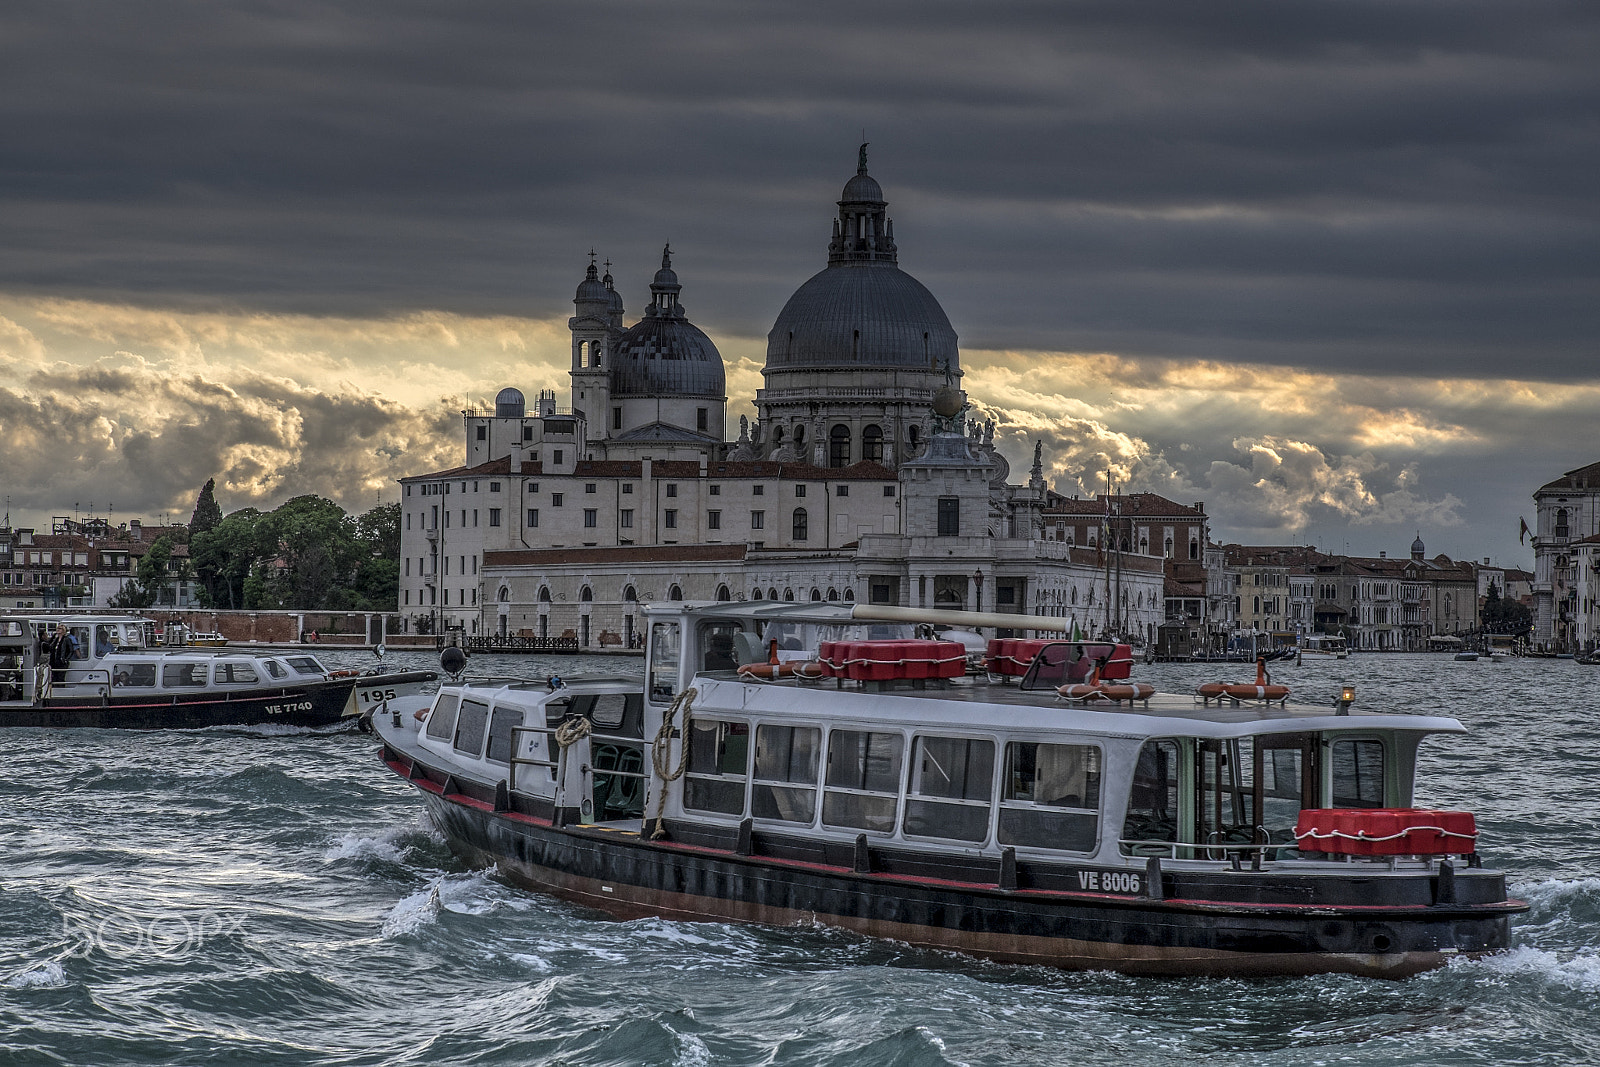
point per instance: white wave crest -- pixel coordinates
(45, 976)
(1546, 896)
(1575, 972)
(692, 1052)
(413, 913)
(357, 846)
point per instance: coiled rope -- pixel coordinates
(573, 730)
(661, 754)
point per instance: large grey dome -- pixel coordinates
(662, 357)
(862, 314)
(862, 310)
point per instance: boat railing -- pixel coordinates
(1234, 853)
(552, 745)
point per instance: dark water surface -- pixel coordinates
(238, 897)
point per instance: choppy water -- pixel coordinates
(244, 898)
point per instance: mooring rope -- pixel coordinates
(661, 754)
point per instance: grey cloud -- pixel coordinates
(76, 436)
(1382, 186)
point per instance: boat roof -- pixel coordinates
(968, 705)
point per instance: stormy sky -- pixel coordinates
(1329, 266)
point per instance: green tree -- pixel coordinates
(206, 512)
(223, 557)
(310, 551)
(149, 580)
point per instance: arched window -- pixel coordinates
(913, 435)
(544, 594)
(849, 594)
(833, 594)
(674, 593)
(777, 436)
(800, 436)
(772, 594)
(839, 446)
(586, 594)
(816, 594)
(1168, 550)
(628, 595)
(1074, 595)
(788, 594)
(505, 594)
(1561, 522)
(801, 525)
(755, 594)
(872, 444)
(723, 594)
(1256, 610)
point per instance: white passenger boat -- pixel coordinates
(1049, 815)
(107, 671)
(1324, 645)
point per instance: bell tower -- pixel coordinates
(596, 304)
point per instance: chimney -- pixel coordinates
(1382, 554)
(644, 469)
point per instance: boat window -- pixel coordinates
(959, 771)
(135, 674)
(183, 675)
(236, 674)
(785, 781)
(1358, 774)
(1152, 801)
(664, 652)
(305, 665)
(501, 724)
(80, 642)
(442, 722)
(719, 759)
(1051, 797)
(470, 727)
(863, 784)
(275, 668)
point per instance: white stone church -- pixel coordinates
(562, 521)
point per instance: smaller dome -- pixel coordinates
(509, 403)
(591, 290)
(1418, 549)
(863, 187)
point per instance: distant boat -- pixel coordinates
(1467, 657)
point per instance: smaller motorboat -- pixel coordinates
(1466, 656)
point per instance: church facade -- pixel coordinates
(860, 479)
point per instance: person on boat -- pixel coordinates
(719, 653)
(102, 642)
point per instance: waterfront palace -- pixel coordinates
(562, 520)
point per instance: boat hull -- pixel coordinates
(628, 876)
(320, 704)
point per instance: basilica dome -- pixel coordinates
(664, 354)
(862, 311)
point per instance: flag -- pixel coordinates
(1524, 533)
(1077, 634)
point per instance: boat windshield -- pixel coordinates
(1247, 791)
(305, 665)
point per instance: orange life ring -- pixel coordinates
(789, 669)
(1102, 691)
(1257, 692)
(344, 674)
